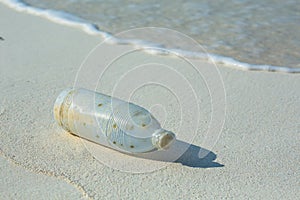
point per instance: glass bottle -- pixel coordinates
(110, 121)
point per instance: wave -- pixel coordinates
(92, 29)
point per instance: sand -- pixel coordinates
(255, 156)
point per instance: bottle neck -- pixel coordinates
(162, 139)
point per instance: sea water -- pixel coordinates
(251, 34)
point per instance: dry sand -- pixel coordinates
(256, 156)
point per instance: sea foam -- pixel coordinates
(64, 18)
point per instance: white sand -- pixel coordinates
(259, 145)
(19, 183)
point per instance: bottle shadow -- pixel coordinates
(186, 154)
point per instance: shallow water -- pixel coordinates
(263, 32)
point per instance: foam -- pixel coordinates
(92, 29)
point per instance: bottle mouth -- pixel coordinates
(162, 139)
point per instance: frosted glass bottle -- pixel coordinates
(110, 121)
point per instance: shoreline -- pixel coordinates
(64, 18)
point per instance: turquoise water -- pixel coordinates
(265, 32)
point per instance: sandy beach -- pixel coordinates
(255, 156)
